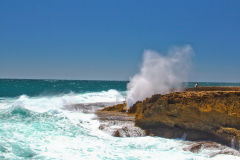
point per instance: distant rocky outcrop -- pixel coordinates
(205, 113)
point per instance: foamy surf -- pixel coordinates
(44, 128)
(46, 103)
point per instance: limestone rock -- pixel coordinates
(206, 113)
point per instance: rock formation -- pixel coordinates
(118, 123)
(205, 113)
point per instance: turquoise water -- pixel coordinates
(13, 88)
(18, 87)
(37, 122)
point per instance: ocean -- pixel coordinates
(37, 121)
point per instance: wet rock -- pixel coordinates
(208, 113)
(128, 131)
(116, 108)
(101, 127)
(116, 134)
(227, 151)
(199, 146)
(215, 148)
(87, 107)
(118, 124)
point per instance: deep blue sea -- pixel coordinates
(36, 122)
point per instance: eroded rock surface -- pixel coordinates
(202, 114)
(206, 113)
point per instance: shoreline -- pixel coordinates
(199, 115)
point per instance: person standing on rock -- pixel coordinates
(196, 85)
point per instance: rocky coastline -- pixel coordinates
(203, 115)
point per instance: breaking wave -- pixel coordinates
(44, 128)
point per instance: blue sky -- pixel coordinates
(86, 39)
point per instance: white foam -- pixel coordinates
(87, 141)
(47, 103)
(159, 74)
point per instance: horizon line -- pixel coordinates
(60, 79)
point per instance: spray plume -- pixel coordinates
(159, 73)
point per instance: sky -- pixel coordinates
(105, 40)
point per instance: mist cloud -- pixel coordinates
(159, 73)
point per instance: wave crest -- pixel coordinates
(47, 103)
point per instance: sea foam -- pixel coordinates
(41, 128)
(46, 103)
